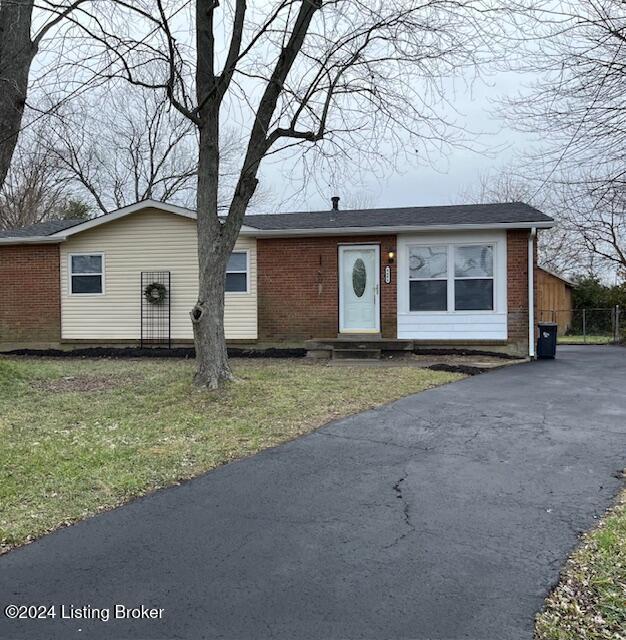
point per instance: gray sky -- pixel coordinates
(446, 178)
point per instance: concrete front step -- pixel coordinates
(356, 354)
(383, 344)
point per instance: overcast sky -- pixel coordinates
(424, 184)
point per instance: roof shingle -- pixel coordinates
(40, 229)
(466, 214)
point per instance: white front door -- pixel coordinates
(359, 298)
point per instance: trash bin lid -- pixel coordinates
(547, 324)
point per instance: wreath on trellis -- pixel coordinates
(155, 293)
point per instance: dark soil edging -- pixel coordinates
(465, 369)
(136, 352)
(451, 351)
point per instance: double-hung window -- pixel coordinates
(237, 272)
(473, 277)
(451, 277)
(428, 278)
(86, 274)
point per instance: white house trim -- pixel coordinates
(32, 240)
(126, 211)
(286, 233)
(70, 273)
(452, 324)
(246, 252)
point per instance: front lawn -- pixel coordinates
(589, 339)
(589, 602)
(80, 436)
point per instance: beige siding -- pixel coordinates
(149, 240)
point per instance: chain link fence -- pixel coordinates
(587, 326)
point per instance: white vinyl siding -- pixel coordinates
(452, 324)
(149, 240)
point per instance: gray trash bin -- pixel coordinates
(546, 342)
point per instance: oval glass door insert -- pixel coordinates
(359, 277)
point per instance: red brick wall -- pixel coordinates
(30, 307)
(298, 289)
(517, 286)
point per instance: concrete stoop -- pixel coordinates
(356, 348)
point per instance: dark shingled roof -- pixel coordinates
(40, 229)
(466, 214)
(483, 214)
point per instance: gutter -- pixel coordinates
(531, 292)
(390, 229)
(32, 240)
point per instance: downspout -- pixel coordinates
(531, 292)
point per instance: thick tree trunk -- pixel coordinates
(16, 54)
(216, 239)
(212, 368)
(214, 248)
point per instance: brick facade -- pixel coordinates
(517, 287)
(298, 289)
(298, 286)
(30, 308)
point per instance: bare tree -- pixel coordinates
(18, 47)
(121, 147)
(35, 191)
(597, 217)
(576, 109)
(577, 104)
(341, 77)
(561, 249)
(117, 145)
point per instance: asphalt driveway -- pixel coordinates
(444, 515)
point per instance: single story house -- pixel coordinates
(437, 276)
(554, 299)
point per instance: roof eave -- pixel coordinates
(32, 240)
(330, 231)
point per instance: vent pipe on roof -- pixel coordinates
(335, 201)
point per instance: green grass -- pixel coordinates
(80, 436)
(590, 601)
(591, 339)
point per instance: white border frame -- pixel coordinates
(247, 272)
(341, 249)
(70, 274)
(404, 282)
(495, 237)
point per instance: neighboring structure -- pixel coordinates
(451, 275)
(554, 299)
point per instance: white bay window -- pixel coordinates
(449, 278)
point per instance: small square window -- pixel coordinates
(237, 273)
(86, 274)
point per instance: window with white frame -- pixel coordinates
(473, 277)
(451, 277)
(86, 274)
(237, 272)
(428, 278)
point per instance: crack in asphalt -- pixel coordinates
(406, 514)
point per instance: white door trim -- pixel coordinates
(342, 248)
